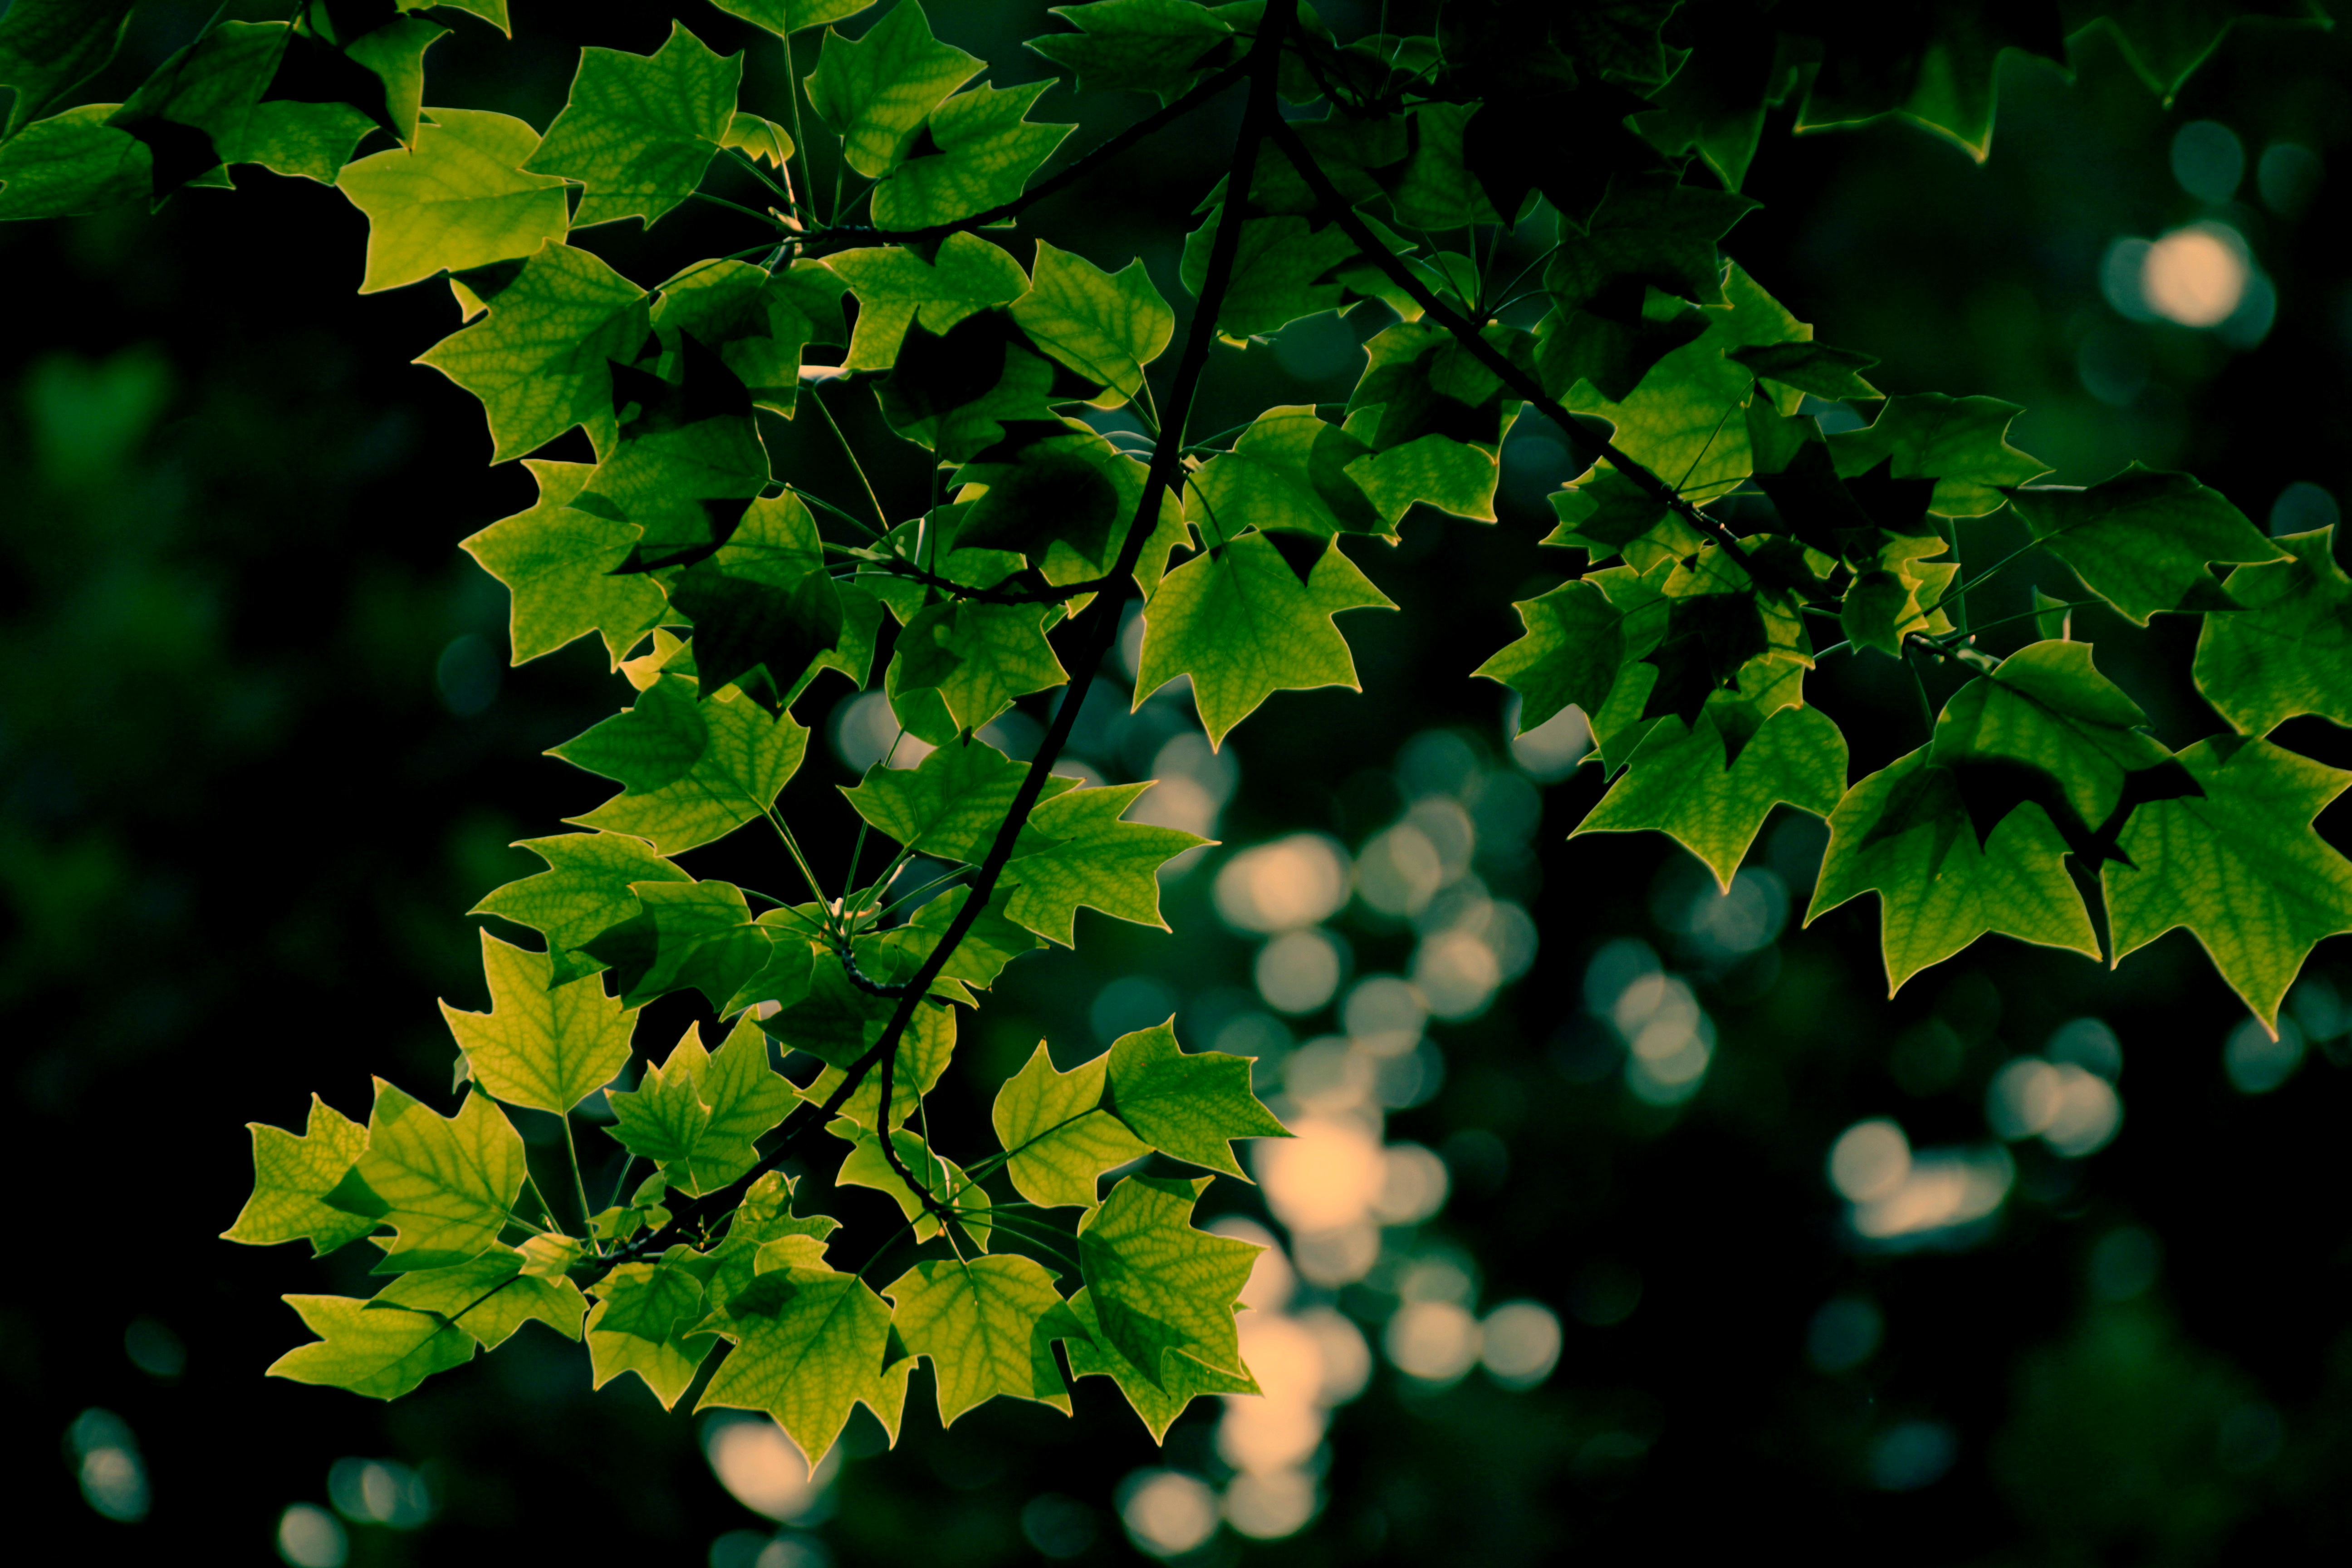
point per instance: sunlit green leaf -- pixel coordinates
(897, 288)
(1160, 1288)
(693, 770)
(2048, 707)
(878, 90)
(71, 163)
(584, 890)
(1187, 1105)
(1680, 782)
(1158, 1396)
(1289, 470)
(977, 656)
(977, 151)
(1159, 47)
(645, 1321)
(459, 199)
(446, 1183)
(490, 1298)
(2289, 651)
(868, 1166)
(683, 936)
(640, 128)
(1076, 851)
(951, 803)
(1060, 1139)
(542, 1044)
(1107, 326)
(819, 1350)
(2141, 539)
(381, 1352)
(987, 1327)
(558, 563)
(292, 1178)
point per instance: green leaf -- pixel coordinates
(897, 288)
(878, 90)
(978, 656)
(1905, 833)
(381, 1353)
(820, 1350)
(693, 770)
(977, 153)
(1181, 1378)
(994, 940)
(1962, 442)
(866, 1166)
(1107, 326)
(1075, 850)
(538, 360)
(586, 889)
(1570, 652)
(1283, 271)
(1159, 47)
(457, 200)
(924, 1052)
(196, 112)
(1066, 500)
(1244, 623)
(2289, 651)
(1817, 368)
(1059, 1138)
(764, 600)
(446, 1183)
(1650, 232)
(757, 321)
(687, 463)
(292, 1178)
(1160, 1288)
(1686, 782)
(1187, 1106)
(685, 936)
(558, 563)
(2047, 706)
(646, 1320)
(988, 1325)
(2141, 539)
(49, 47)
(69, 164)
(640, 130)
(783, 17)
(490, 1298)
(949, 805)
(542, 1044)
(2239, 865)
(1288, 471)
(699, 1114)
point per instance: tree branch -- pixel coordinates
(848, 237)
(1097, 632)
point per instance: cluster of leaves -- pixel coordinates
(2040, 805)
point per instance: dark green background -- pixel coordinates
(239, 823)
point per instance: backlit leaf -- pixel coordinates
(381, 1352)
(1107, 326)
(640, 130)
(1186, 1105)
(1076, 851)
(978, 151)
(987, 1327)
(586, 889)
(1160, 1288)
(559, 565)
(446, 1183)
(878, 90)
(2141, 539)
(490, 1298)
(805, 1361)
(546, 1045)
(1060, 1139)
(458, 199)
(694, 771)
(292, 1178)
(1679, 782)
(2289, 651)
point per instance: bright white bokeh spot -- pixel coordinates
(1519, 1344)
(1401, 872)
(1298, 971)
(1435, 1341)
(113, 1476)
(1300, 880)
(1326, 1178)
(762, 1469)
(2023, 1098)
(1869, 1161)
(864, 730)
(1456, 972)
(1167, 1512)
(1347, 1360)
(2089, 1113)
(1940, 1190)
(311, 1537)
(1384, 1014)
(1268, 1506)
(2196, 275)
(2257, 1062)
(1413, 1186)
(1551, 751)
(379, 1491)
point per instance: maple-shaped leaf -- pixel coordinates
(559, 565)
(1159, 47)
(1906, 834)
(979, 657)
(805, 1359)
(1158, 1287)
(1646, 233)
(1158, 1398)
(1434, 415)
(684, 936)
(1708, 640)
(2289, 650)
(586, 889)
(951, 803)
(292, 1178)
(2141, 541)
(1064, 500)
(1288, 471)
(687, 462)
(1962, 442)
(1076, 851)
(897, 288)
(2047, 706)
(967, 392)
(1839, 512)
(924, 1052)
(785, 18)
(540, 359)
(1825, 371)
(2238, 864)
(1678, 781)
(542, 1044)
(693, 770)
(446, 1183)
(640, 130)
(757, 321)
(49, 47)
(763, 599)
(1284, 269)
(1058, 1138)
(1246, 620)
(1107, 326)
(1187, 1105)
(987, 1327)
(1570, 654)
(490, 1298)
(69, 164)
(457, 200)
(699, 1114)
(975, 152)
(646, 1320)
(867, 1165)
(994, 939)
(381, 1352)
(878, 90)
(1934, 66)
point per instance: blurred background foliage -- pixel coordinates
(1628, 1218)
